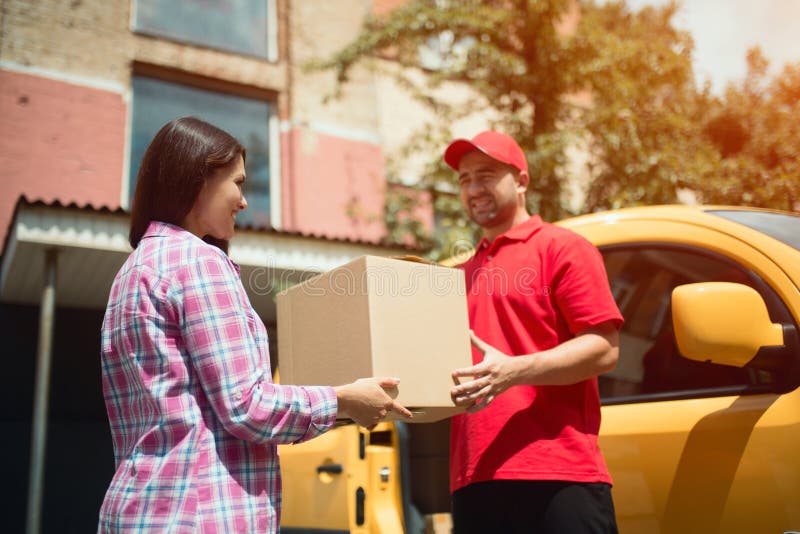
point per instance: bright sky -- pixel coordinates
(723, 31)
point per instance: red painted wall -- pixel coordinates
(332, 187)
(58, 141)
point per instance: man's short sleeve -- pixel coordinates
(581, 284)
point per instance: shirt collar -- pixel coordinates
(162, 229)
(520, 232)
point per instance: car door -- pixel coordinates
(324, 482)
(694, 446)
(346, 480)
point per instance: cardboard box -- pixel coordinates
(378, 317)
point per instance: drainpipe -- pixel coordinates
(291, 166)
(41, 396)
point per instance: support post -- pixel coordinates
(41, 395)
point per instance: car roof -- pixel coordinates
(703, 215)
(697, 215)
(675, 212)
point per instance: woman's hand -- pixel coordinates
(495, 374)
(367, 402)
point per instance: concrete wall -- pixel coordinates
(338, 186)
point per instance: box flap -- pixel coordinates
(415, 259)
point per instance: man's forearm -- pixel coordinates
(591, 353)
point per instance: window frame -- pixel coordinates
(778, 313)
(271, 29)
(218, 86)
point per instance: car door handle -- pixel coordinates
(333, 469)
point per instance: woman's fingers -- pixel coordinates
(402, 409)
(388, 382)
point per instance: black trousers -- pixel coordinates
(534, 506)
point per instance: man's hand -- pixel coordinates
(367, 402)
(495, 374)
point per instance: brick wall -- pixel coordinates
(84, 38)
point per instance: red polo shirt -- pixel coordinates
(529, 290)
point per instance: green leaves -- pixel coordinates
(755, 129)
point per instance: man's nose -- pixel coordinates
(475, 187)
(243, 203)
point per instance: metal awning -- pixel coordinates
(92, 244)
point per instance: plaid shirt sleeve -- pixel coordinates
(218, 327)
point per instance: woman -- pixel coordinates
(195, 418)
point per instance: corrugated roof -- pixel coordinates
(92, 243)
(88, 207)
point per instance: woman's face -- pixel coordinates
(220, 199)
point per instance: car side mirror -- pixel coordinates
(722, 322)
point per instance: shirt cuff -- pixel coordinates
(323, 406)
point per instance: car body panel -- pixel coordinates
(328, 502)
(704, 465)
(329, 495)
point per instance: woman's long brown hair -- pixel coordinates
(180, 158)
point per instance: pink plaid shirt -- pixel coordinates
(195, 417)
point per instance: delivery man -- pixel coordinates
(525, 457)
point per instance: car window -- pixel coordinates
(784, 227)
(650, 366)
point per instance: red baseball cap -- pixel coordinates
(496, 145)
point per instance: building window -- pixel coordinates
(156, 102)
(241, 26)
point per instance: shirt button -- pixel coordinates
(489, 257)
(237, 395)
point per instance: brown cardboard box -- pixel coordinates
(378, 317)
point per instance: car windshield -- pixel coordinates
(781, 226)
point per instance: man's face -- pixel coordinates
(489, 189)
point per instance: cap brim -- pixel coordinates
(456, 150)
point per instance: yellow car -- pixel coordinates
(701, 417)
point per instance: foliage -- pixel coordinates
(620, 85)
(644, 126)
(756, 130)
